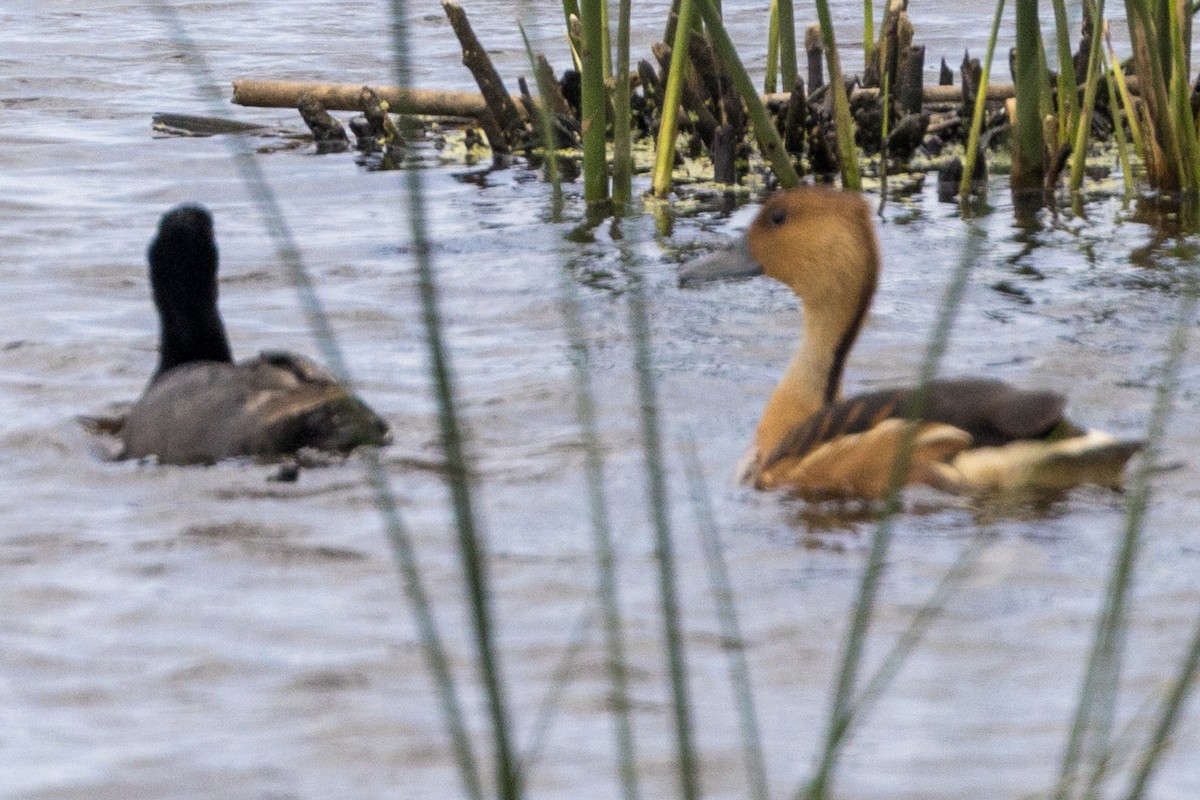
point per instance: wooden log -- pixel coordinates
(344, 97)
(435, 103)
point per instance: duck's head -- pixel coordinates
(818, 241)
(183, 277)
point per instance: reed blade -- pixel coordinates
(839, 716)
(972, 152)
(403, 554)
(1092, 722)
(550, 151)
(771, 80)
(1068, 94)
(1084, 127)
(848, 155)
(458, 471)
(727, 617)
(668, 126)
(689, 770)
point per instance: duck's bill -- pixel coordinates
(733, 262)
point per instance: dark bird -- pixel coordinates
(201, 407)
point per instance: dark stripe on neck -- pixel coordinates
(833, 382)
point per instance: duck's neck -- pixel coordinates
(191, 335)
(814, 376)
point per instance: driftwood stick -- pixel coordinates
(475, 58)
(344, 97)
(435, 103)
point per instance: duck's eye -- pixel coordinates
(778, 216)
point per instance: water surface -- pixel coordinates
(208, 633)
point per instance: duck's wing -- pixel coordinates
(972, 435)
(990, 412)
(267, 406)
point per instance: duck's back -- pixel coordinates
(277, 403)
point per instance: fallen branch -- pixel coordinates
(438, 103)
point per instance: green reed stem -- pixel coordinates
(1131, 118)
(907, 641)
(1027, 141)
(765, 132)
(771, 79)
(656, 493)
(622, 155)
(731, 634)
(1068, 93)
(1168, 717)
(847, 154)
(1084, 127)
(668, 126)
(869, 30)
(1119, 132)
(594, 105)
(972, 153)
(1183, 123)
(787, 44)
(605, 36)
(458, 471)
(839, 717)
(1090, 728)
(403, 555)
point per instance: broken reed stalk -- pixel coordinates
(1117, 76)
(843, 122)
(594, 105)
(972, 152)
(764, 129)
(668, 127)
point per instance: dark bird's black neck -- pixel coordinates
(183, 274)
